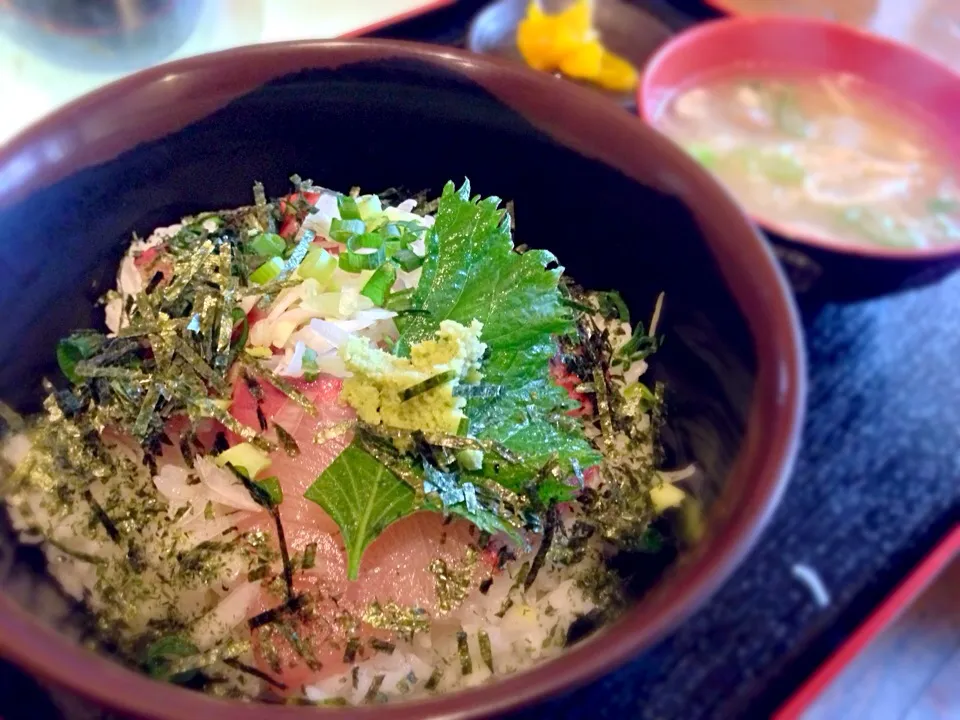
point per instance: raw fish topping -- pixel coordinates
(344, 448)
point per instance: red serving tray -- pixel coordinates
(398, 18)
(889, 610)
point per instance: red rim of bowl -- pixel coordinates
(687, 41)
(760, 468)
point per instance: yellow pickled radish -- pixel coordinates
(616, 73)
(568, 42)
(535, 40)
(583, 63)
(578, 18)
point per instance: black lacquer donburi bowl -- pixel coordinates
(618, 204)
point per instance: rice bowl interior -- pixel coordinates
(707, 414)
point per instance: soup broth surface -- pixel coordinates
(823, 156)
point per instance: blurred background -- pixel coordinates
(52, 51)
(866, 520)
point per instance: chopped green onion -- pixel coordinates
(788, 115)
(318, 265)
(612, 306)
(640, 392)
(343, 230)
(354, 261)
(73, 349)
(392, 247)
(309, 363)
(640, 345)
(942, 205)
(411, 227)
(781, 166)
(703, 154)
(244, 457)
(877, 227)
(429, 384)
(349, 209)
(268, 271)
(407, 259)
(378, 286)
(268, 245)
(271, 486)
(399, 300)
(579, 307)
(391, 230)
(369, 207)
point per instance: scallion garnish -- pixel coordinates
(268, 245)
(79, 346)
(268, 271)
(309, 363)
(407, 259)
(640, 345)
(613, 306)
(349, 209)
(400, 300)
(342, 230)
(318, 265)
(353, 260)
(379, 285)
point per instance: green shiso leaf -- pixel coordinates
(363, 497)
(471, 272)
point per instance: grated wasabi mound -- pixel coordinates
(419, 392)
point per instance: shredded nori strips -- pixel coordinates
(275, 614)
(429, 384)
(309, 556)
(434, 680)
(261, 419)
(383, 646)
(287, 442)
(102, 517)
(374, 689)
(250, 670)
(486, 652)
(350, 652)
(463, 651)
(549, 525)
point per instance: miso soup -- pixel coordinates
(824, 156)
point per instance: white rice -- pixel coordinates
(522, 627)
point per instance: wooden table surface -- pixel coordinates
(911, 671)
